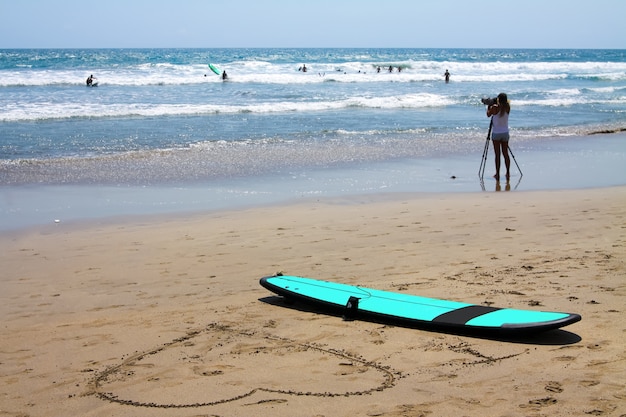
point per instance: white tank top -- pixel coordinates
(500, 123)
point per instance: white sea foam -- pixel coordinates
(356, 71)
(11, 112)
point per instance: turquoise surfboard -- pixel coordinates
(214, 69)
(413, 310)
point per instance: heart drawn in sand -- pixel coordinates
(219, 364)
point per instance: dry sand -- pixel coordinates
(165, 317)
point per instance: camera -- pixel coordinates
(488, 101)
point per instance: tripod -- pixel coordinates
(483, 162)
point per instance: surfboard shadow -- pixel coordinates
(556, 337)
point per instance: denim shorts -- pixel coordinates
(504, 137)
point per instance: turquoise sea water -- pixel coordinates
(161, 132)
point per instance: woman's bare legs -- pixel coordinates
(497, 149)
(501, 147)
(507, 159)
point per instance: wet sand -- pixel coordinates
(579, 162)
(164, 316)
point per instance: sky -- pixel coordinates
(313, 23)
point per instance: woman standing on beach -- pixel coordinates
(499, 113)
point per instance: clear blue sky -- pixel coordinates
(313, 23)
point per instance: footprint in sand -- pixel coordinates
(542, 402)
(554, 386)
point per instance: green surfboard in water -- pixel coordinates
(214, 69)
(413, 310)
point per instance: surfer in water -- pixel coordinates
(224, 76)
(89, 80)
(447, 76)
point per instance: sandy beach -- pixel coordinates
(164, 316)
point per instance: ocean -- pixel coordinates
(162, 133)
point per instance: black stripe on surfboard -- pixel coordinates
(463, 315)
